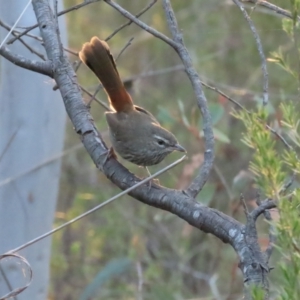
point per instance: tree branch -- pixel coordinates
(176, 202)
(141, 24)
(272, 235)
(260, 52)
(242, 238)
(31, 49)
(75, 7)
(130, 22)
(239, 105)
(278, 10)
(42, 67)
(265, 205)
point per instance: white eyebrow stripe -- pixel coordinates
(160, 138)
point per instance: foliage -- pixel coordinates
(273, 168)
(265, 164)
(288, 227)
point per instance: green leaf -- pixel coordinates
(220, 136)
(217, 112)
(113, 268)
(282, 61)
(164, 115)
(241, 181)
(207, 194)
(182, 114)
(287, 26)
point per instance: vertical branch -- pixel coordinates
(198, 183)
(260, 51)
(178, 45)
(296, 50)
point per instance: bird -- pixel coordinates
(134, 132)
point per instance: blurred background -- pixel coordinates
(129, 250)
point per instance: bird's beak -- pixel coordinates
(179, 148)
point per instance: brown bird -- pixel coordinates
(134, 132)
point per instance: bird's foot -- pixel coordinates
(110, 154)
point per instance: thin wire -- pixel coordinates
(96, 207)
(14, 26)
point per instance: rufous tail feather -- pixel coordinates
(97, 56)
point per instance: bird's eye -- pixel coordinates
(160, 142)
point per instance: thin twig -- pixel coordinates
(141, 24)
(15, 32)
(244, 91)
(140, 280)
(210, 280)
(93, 97)
(187, 270)
(97, 207)
(288, 184)
(272, 235)
(124, 48)
(272, 7)
(9, 143)
(296, 51)
(224, 182)
(17, 21)
(260, 51)
(242, 200)
(26, 45)
(130, 22)
(154, 73)
(287, 145)
(75, 7)
(32, 50)
(40, 165)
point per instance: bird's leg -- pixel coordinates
(154, 180)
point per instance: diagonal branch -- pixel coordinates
(130, 22)
(278, 10)
(141, 24)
